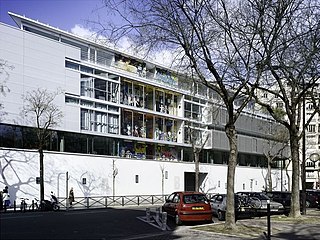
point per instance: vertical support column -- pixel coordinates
(148, 214)
(157, 214)
(164, 221)
(87, 202)
(268, 220)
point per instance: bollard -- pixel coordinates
(148, 214)
(157, 213)
(164, 221)
(267, 235)
(269, 223)
(87, 200)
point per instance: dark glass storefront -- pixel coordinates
(12, 136)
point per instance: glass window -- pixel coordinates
(159, 128)
(149, 104)
(72, 65)
(86, 86)
(126, 126)
(100, 87)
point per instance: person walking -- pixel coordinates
(71, 196)
(1, 201)
(6, 197)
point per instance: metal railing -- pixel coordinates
(96, 202)
(112, 201)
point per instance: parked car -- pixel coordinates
(282, 197)
(312, 198)
(219, 206)
(188, 206)
(275, 207)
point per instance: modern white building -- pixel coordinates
(125, 129)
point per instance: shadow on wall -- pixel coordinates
(18, 172)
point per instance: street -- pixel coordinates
(125, 224)
(81, 224)
(111, 223)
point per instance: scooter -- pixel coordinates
(52, 205)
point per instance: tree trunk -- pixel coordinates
(41, 175)
(269, 179)
(295, 192)
(196, 162)
(230, 214)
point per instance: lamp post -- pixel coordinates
(315, 157)
(303, 164)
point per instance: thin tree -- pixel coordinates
(275, 150)
(198, 139)
(211, 38)
(40, 108)
(5, 68)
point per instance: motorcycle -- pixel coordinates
(50, 205)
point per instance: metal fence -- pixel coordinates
(98, 202)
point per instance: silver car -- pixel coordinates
(243, 208)
(262, 201)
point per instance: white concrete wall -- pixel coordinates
(20, 168)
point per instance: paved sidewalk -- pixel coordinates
(281, 230)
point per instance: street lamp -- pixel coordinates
(315, 157)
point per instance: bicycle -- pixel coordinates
(23, 205)
(34, 205)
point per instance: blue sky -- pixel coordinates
(64, 14)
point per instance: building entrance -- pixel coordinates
(189, 180)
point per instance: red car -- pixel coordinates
(188, 206)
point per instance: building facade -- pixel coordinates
(127, 122)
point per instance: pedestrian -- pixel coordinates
(6, 197)
(71, 196)
(1, 200)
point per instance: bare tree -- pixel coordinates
(274, 152)
(44, 114)
(212, 38)
(5, 67)
(288, 37)
(198, 139)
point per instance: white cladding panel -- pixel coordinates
(71, 116)
(37, 62)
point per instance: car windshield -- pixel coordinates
(194, 198)
(263, 196)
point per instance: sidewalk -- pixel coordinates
(282, 228)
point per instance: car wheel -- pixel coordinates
(221, 216)
(177, 219)
(308, 204)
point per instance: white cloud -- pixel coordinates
(81, 31)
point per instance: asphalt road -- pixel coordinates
(79, 224)
(122, 224)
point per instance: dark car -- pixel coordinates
(262, 200)
(188, 206)
(243, 208)
(282, 197)
(312, 198)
